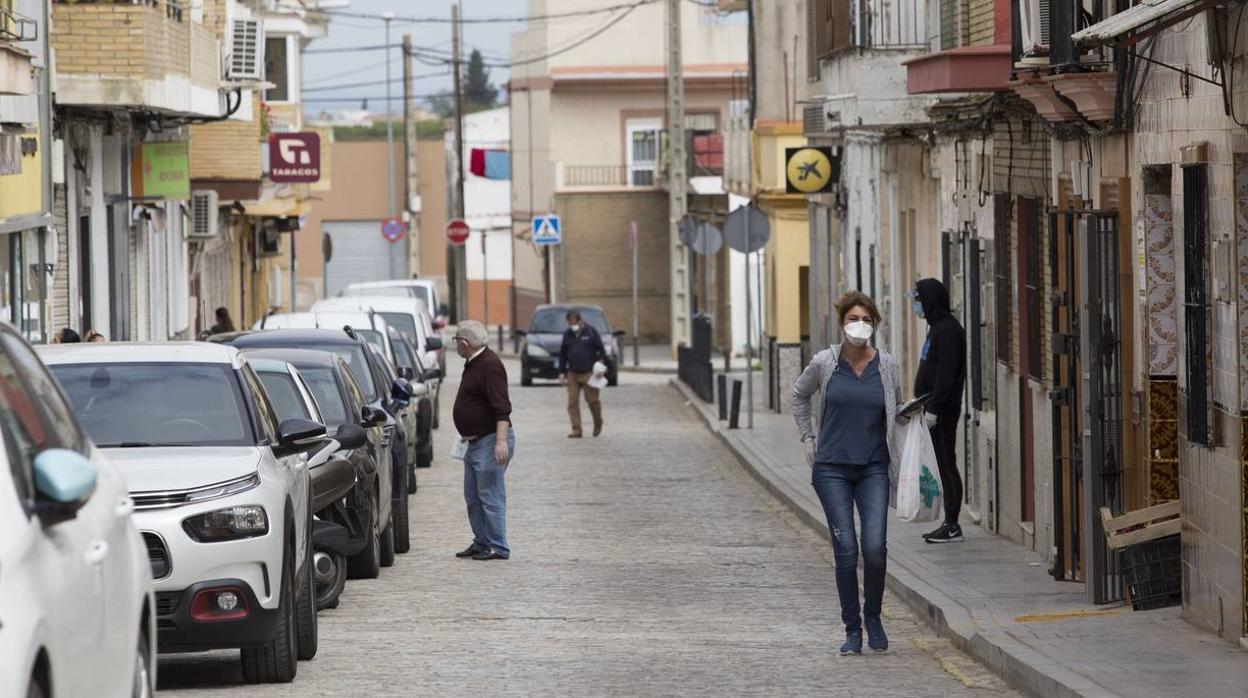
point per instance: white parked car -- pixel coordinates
(221, 493)
(422, 289)
(76, 601)
(370, 327)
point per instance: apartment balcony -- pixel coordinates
(135, 54)
(603, 177)
(16, 78)
(1054, 71)
(841, 25)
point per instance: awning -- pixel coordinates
(1160, 13)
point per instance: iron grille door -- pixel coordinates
(1101, 354)
(973, 315)
(1195, 301)
(1065, 398)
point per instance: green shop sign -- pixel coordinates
(161, 171)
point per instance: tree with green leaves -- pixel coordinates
(478, 92)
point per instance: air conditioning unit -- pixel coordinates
(1034, 26)
(246, 60)
(203, 214)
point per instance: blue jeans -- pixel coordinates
(839, 487)
(486, 495)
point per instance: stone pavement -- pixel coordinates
(995, 600)
(646, 563)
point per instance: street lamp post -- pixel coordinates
(389, 124)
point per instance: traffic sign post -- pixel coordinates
(457, 232)
(547, 230)
(393, 229)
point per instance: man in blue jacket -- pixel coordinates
(582, 346)
(942, 375)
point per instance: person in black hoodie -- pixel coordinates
(942, 376)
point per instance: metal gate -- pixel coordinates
(1087, 397)
(360, 253)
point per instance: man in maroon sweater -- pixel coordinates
(483, 419)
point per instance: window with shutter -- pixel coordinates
(1001, 274)
(1031, 255)
(1195, 301)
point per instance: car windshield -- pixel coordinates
(284, 395)
(157, 404)
(402, 322)
(358, 363)
(554, 321)
(325, 391)
(423, 293)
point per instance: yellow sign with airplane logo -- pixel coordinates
(808, 170)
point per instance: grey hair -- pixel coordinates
(472, 332)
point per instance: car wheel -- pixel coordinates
(329, 585)
(277, 661)
(402, 539)
(424, 459)
(437, 405)
(387, 546)
(526, 380)
(366, 564)
(308, 633)
(143, 686)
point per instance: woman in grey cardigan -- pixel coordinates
(853, 458)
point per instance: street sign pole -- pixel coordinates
(632, 237)
(749, 341)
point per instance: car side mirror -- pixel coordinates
(64, 480)
(372, 417)
(433, 344)
(350, 436)
(443, 310)
(419, 390)
(401, 390)
(432, 374)
(299, 436)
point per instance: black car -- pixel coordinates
(343, 408)
(539, 352)
(408, 365)
(389, 397)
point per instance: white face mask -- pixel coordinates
(574, 328)
(858, 332)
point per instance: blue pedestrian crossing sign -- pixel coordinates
(547, 230)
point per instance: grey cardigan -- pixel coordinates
(814, 381)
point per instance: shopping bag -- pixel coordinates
(459, 449)
(919, 498)
(599, 378)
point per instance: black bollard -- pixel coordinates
(500, 337)
(721, 392)
(735, 419)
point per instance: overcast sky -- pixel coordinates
(350, 68)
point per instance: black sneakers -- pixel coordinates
(947, 533)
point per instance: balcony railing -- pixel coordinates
(1042, 29)
(597, 175)
(17, 28)
(844, 24)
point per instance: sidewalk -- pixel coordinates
(995, 601)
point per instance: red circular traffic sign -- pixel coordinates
(392, 229)
(457, 231)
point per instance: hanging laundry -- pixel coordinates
(490, 164)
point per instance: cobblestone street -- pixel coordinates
(645, 562)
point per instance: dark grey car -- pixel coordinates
(539, 350)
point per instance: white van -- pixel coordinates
(421, 289)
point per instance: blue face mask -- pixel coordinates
(918, 308)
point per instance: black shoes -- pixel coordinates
(469, 551)
(488, 555)
(853, 642)
(947, 533)
(877, 639)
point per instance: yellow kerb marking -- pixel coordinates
(1063, 615)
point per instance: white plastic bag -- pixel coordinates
(598, 380)
(919, 497)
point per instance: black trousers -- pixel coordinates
(945, 441)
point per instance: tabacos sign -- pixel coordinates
(294, 157)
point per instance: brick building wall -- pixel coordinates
(227, 149)
(599, 260)
(135, 41)
(981, 22)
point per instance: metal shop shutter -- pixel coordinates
(360, 253)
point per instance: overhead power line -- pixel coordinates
(398, 19)
(348, 85)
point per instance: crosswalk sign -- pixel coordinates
(547, 230)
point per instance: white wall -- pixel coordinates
(487, 202)
(737, 274)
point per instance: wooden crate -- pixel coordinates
(1141, 525)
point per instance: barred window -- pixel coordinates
(1031, 281)
(1195, 310)
(1001, 275)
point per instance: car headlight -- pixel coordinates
(231, 523)
(535, 350)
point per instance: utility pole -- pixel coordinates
(677, 181)
(409, 168)
(457, 252)
(389, 124)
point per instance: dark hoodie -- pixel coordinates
(942, 365)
